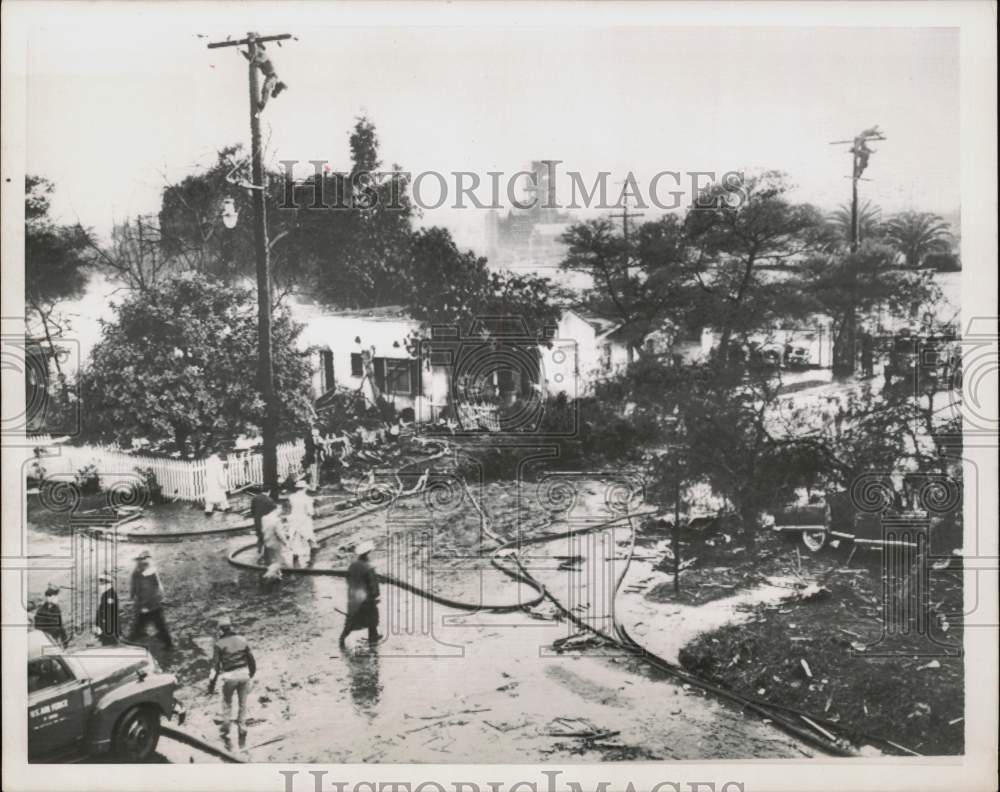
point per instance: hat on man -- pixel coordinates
(145, 554)
(361, 548)
(225, 623)
(104, 577)
(301, 484)
(51, 590)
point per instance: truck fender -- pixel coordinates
(155, 689)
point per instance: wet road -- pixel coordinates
(446, 685)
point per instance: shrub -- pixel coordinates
(88, 482)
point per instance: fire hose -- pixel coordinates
(820, 733)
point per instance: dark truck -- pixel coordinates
(100, 700)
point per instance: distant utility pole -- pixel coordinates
(258, 62)
(844, 353)
(625, 215)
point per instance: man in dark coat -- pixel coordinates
(48, 617)
(147, 597)
(107, 611)
(362, 596)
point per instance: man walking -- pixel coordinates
(106, 623)
(48, 617)
(301, 534)
(362, 595)
(234, 664)
(147, 597)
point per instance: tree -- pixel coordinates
(915, 234)
(56, 263)
(639, 282)
(177, 367)
(692, 413)
(840, 232)
(452, 287)
(191, 229)
(735, 228)
(354, 247)
(866, 283)
(135, 256)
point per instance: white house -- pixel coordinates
(367, 349)
(359, 349)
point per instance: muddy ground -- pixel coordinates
(446, 685)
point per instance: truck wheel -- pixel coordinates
(814, 540)
(136, 735)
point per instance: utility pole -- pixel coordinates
(628, 253)
(265, 368)
(844, 362)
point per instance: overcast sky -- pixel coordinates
(112, 114)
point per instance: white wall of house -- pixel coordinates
(346, 335)
(579, 357)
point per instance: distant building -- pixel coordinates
(529, 240)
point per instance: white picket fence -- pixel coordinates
(180, 478)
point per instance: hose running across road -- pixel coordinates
(817, 731)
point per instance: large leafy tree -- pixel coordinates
(914, 235)
(56, 264)
(177, 366)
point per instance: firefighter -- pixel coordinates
(147, 596)
(362, 595)
(234, 664)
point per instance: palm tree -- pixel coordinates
(915, 234)
(839, 225)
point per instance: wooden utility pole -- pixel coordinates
(844, 362)
(265, 366)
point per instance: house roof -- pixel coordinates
(601, 324)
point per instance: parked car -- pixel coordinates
(836, 516)
(95, 701)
